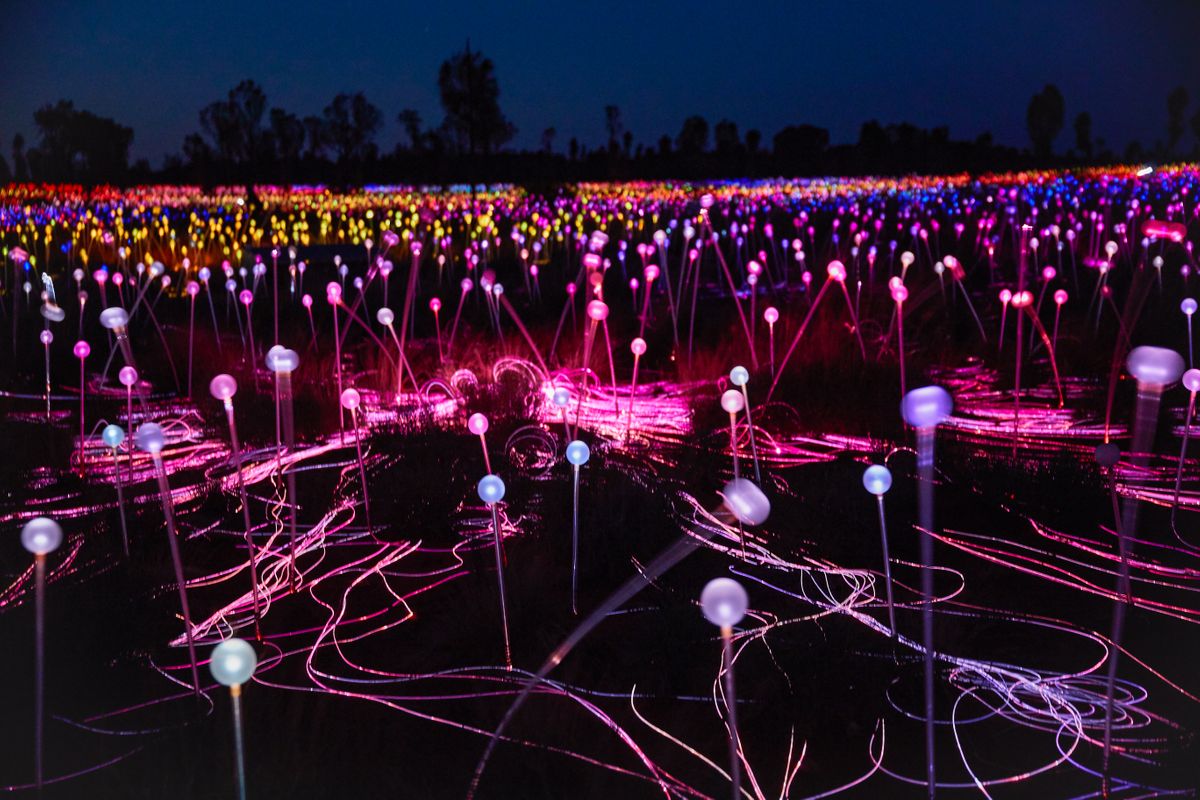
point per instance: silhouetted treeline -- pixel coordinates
(242, 140)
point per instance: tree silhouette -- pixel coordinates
(1177, 103)
(234, 125)
(614, 127)
(1083, 134)
(410, 120)
(1195, 128)
(350, 125)
(78, 145)
(799, 148)
(470, 97)
(693, 136)
(317, 136)
(548, 140)
(753, 140)
(1044, 119)
(287, 136)
(725, 137)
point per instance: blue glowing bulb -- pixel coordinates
(491, 489)
(578, 453)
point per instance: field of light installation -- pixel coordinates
(763, 489)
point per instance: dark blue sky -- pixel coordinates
(152, 64)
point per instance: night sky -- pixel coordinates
(152, 64)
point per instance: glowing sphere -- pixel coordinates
(41, 535)
(193, 288)
(435, 305)
(491, 489)
(1060, 297)
(222, 387)
(638, 346)
(561, 397)
(52, 312)
(732, 401)
(1157, 366)
(739, 376)
(837, 271)
(771, 315)
(650, 273)
(926, 407)
(477, 424)
(1107, 454)
(578, 453)
(1188, 306)
(1005, 296)
(306, 301)
(597, 310)
(907, 258)
(899, 293)
(128, 376)
(1191, 380)
(113, 435)
(233, 662)
(281, 359)
(82, 349)
(46, 336)
(877, 479)
(149, 437)
(746, 501)
(385, 316)
(466, 284)
(351, 399)
(333, 292)
(724, 602)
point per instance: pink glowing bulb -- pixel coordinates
(46, 336)
(571, 289)
(435, 305)
(899, 293)
(246, 297)
(1022, 299)
(82, 349)
(477, 424)
(333, 293)
(597, 310)
(771, 315)
(1005, 296)
(1049, 273)
(100, 276)
(638, 346)
(466, 284)
(351, 399)
(754, 268)
(128, 376)
(193, 288)
(306, 301)
(732, 401)
(633, 284)
(223, 387)
(650, 273)
(118, 279)
(1060, 297)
